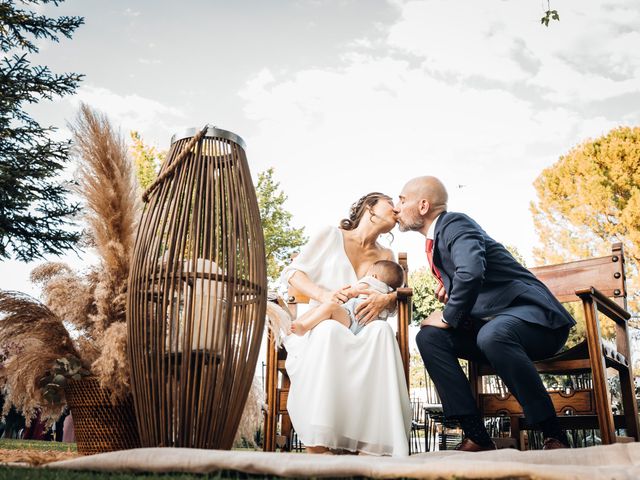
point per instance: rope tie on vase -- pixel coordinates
(178, 160)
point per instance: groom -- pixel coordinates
(495, 311)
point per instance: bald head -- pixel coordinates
(422, 199)
(430, 189)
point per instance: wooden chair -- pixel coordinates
(278, 383)
(599, 283)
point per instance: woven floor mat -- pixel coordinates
(620, 461)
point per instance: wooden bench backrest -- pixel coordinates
(606, 274)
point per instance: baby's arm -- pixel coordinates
(356, 290)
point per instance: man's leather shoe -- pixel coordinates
(468, 445)
(553, 444)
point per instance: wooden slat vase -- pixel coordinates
(197, 294)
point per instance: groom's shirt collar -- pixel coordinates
(432, 228)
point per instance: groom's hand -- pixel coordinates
(434, 320)
(441, 294)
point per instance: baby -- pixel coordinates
(383, 276)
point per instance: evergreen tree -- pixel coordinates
(34, 213)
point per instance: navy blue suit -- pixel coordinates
(499, 313)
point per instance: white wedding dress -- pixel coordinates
(347, 391)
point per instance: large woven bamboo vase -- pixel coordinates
(197, 294)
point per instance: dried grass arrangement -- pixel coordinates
(79, 327)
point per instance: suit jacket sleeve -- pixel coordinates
(465, 243)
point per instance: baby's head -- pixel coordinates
(388, 272)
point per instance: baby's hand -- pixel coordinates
(359, 289)
(350, 292)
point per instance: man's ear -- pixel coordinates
(423, 207)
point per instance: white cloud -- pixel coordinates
(131, 13)
(132, 111)
(464, 38)
(149, 61)
(381, 118)
(378, 122)
(592, 53)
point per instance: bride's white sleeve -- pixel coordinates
(311, 259)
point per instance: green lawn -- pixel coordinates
(11, 444)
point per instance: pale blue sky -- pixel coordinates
(345, 97)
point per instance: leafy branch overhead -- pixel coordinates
(549, 15)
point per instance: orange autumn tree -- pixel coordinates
(589, 199)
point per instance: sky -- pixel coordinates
(345, 97)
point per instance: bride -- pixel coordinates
(348, 392)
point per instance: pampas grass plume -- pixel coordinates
(112, 366)
(107, 183)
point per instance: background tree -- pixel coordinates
(34, 214)
(417, 377)
(281, 239)
(424, 301)
(590, 199)
(146, 159)
(516, 254)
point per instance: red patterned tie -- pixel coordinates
(434, 270)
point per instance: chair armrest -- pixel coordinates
(605, 305)
(404, 320)
(404, 293)
(281, 302)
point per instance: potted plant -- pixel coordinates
(70, 348)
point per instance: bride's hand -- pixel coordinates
(373, 305)
(339, 296)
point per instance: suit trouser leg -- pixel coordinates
(511, 345)
(440, 350)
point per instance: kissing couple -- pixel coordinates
(348, 391)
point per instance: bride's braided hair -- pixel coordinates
(358, 209)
